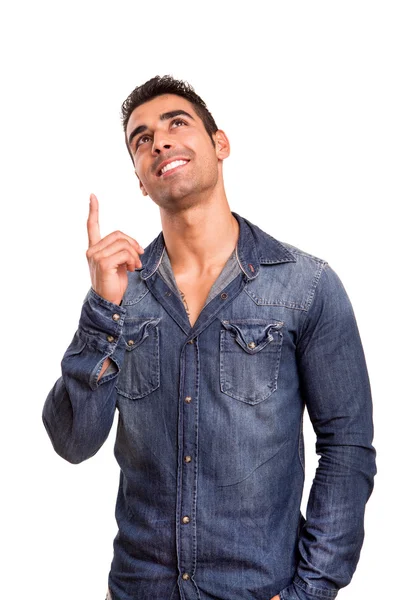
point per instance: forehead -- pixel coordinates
(150, 111)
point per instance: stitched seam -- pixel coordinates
(317, 279)
(265, 302)
(240, 264)
(322, 593)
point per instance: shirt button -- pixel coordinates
(187, 459)
(251, 345)
(224, 296)
(110, 338)
(186, 576)
(188, 399)
(116, 317)
(185, 520)
(130, 342)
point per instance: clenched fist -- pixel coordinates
(110, 258)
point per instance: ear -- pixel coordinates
(222, 146)
(143, 189)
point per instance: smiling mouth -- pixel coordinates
(172, 166)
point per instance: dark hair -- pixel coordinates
(167, 85)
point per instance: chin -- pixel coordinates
(174, 198)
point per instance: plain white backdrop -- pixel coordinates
(308, 94)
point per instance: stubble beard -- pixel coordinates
(185, 194)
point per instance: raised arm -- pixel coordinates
(79, 410)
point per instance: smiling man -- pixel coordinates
(210, 343)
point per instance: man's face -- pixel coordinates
(173, 154)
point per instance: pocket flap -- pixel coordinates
(252, 334)
(137, 330)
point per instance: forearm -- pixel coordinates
(79, 410)
(104, 368)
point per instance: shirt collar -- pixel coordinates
(254, 248)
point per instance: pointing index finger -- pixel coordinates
(93, 227)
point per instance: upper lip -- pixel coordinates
(169, 160)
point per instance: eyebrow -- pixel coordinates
(163, 117)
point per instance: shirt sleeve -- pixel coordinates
(79, 410)
(336, 390)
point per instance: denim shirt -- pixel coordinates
(209, 436)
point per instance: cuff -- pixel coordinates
(300, 590)
(101, 322)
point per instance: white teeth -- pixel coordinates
(172, 165)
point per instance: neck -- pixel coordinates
(201, 238)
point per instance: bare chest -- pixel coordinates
(194, 294)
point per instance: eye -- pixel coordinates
(178, 122)
(143, 140)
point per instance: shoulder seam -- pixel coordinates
(315, 282)
(317, 279)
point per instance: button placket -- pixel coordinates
(187, 480)
(188, 436)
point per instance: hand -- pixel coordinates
(275, 598)
(110, 258)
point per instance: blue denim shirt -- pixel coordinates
(209, 436)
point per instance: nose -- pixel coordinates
(160, 142)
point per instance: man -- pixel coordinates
(210, 342)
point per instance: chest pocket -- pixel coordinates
(140, 373)
(250, 351)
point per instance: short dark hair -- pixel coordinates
(167, 85)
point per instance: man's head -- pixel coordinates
(166, 121)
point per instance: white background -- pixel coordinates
(308, 94)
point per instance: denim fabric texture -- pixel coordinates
(209, 437)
